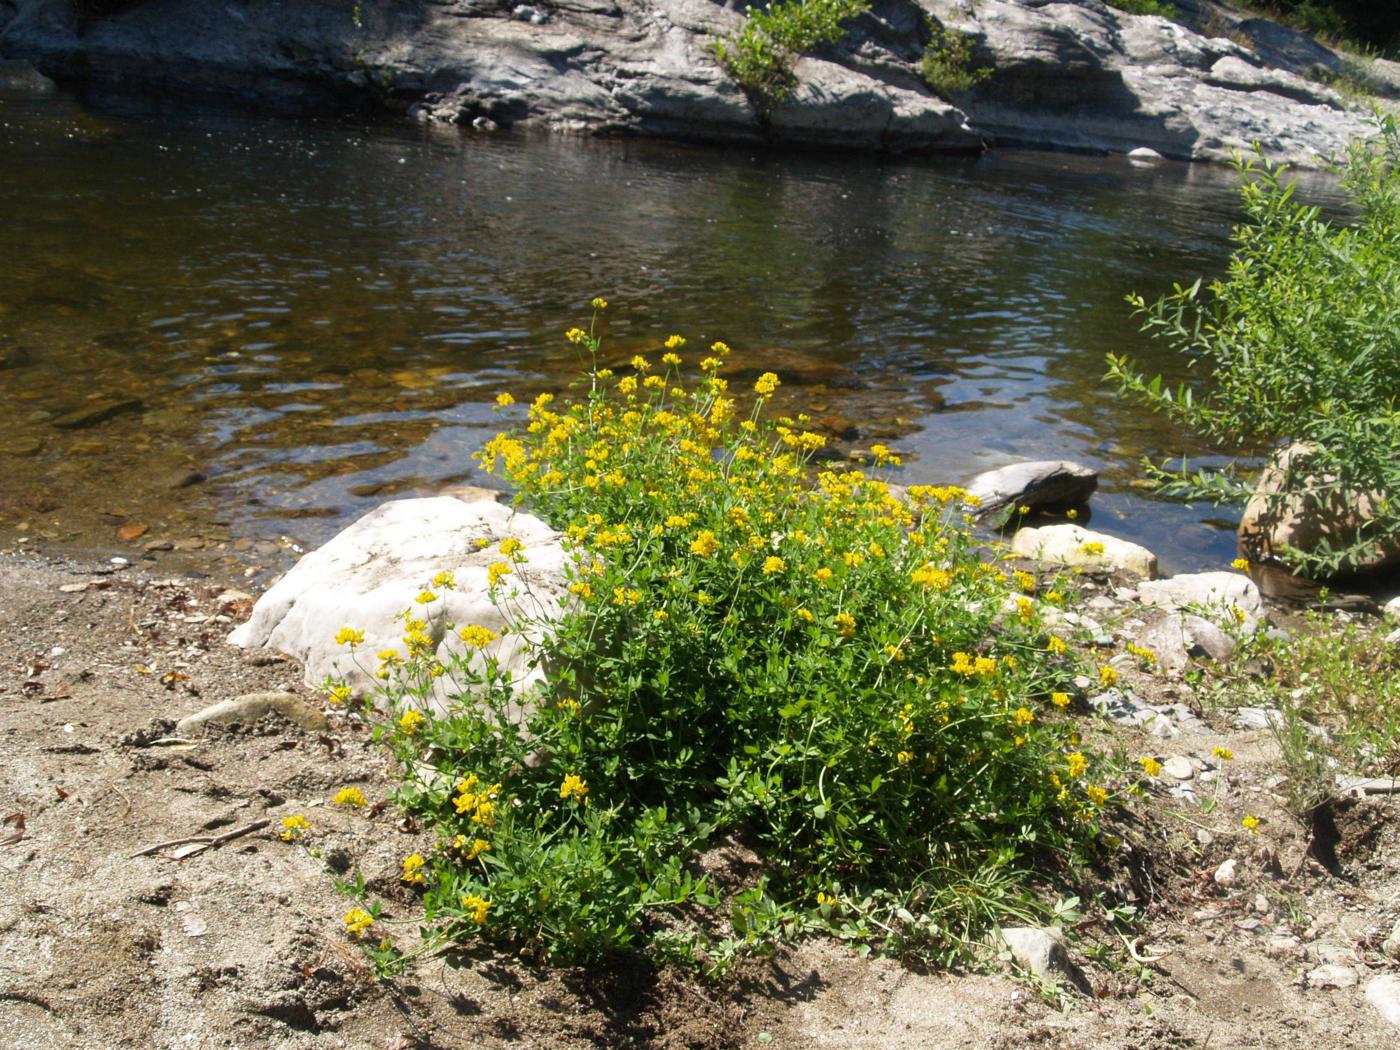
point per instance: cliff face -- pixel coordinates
(1067, 73)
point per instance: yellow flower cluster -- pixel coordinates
(357, 921)
(349, 636)
(573, 789)
(294, 827)
(965, 665)
(413, 866)
(477, 908)
(350, 796)
(477, 802)
(476, 636)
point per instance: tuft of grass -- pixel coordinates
(1144, 7)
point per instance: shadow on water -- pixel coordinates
(317, 315)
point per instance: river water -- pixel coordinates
(316, 316)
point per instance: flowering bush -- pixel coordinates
(802, 660)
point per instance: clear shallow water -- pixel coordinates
(318, 316)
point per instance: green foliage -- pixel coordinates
(760, 56)
(1144, 7)
(797, 662)
(1301, 342)
(947, 66)
(1356, 24)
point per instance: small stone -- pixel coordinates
(1332, 975)
(160, 545)
(485, 124)
(73, 588)
(1283, 947)
(1256, 717)
(1392, 607)
(1261, 904)
(97, 412)
(21, 446)
(1384, 994)
(1041, 951)
(1335, 954)
(1227, 873)
(1073, 546)
(120, 563)
(1145, 155)
(253, 706)
(1391, 945)
(1178, 767)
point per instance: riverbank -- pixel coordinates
(243, 944)
(1076, 74)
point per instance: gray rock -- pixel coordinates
(20, 78)
(1257, 718)
(1145, 155)
(1042, 952)
(372, 572)
(1228, 598)
(1073, 73)
(1228, 873)
(1207, 639)
(1392, 607)
(253, 706)
(1040, 485)
(1383, 993)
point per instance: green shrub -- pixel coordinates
(1144, 7)
(760, 56)
(1299, 342)
(947, 66)
(804, 664)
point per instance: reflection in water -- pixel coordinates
(316, 316)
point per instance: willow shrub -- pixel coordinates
(799, 661)
(1299, 342)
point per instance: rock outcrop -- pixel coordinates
(1070, 73)
(1074, 547)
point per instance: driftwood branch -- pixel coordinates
(207, 841)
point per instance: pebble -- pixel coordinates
(1332, 975)
(1227, 873)
(73, 588)
(120, 563)
(1178, 767)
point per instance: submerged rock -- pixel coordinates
(1074, 546)
(1040, 485)
(366, 577)
(20, 78)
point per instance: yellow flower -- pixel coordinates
(575, 335)
(477, 908)
(357, 921)
(349, 636)
(1071, 514)
(573, 788)
(626, 596)
(1091, 547)
(1056, 645)
(805, 615)
(350, 796)
(444, 580)
(1060, 700)
(1240, 563)
(413, 868)
(767, 383)
(1150, 766)
(496, 572)
(340, 693)
(1250, 822)
(473, 849)
(675, 342)
(661, 616)
(504, 400)
(705, 544)
(640, 363)
(1023, 717)
(477, 637)
(599, 303)
(1222, 753)
(823, 575)
(1108, 676)
(904, 757)
(1075, 764)
(1097, 795)
(845, 624)
(772, 566)
(426, 598)
(408, 721)
(673, 360)
(294, 827)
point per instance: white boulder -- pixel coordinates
(375, 570)
(1073, 545)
